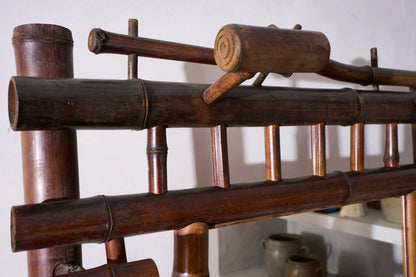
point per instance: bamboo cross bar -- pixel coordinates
(43, 103)
(142, 268)
(102, 218)
(100, 41)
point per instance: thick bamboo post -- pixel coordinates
(50, 163)
(409, 223)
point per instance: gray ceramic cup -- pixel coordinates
(277, 248)
(304, 265)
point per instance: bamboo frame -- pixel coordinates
(147, 105)
(52, 173)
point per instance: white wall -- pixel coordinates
(115, 163)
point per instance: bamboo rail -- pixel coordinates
(105, 42)
(101, 218)
(42, 103)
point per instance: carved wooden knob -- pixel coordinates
(241, 48)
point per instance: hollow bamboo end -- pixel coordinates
(44, 32)
(96, 40)
(228, 49)
(13, 102)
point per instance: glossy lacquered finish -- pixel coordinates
(50, 165)
(99, 219)
(37, 103)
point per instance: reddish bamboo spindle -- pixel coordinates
(318, 149)
(50, 163)
(219, 152)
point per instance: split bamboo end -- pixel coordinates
(13, 102)
(96, 40)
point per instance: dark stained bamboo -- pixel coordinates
(105, 42)
(191, 251)
(157, 151)
(242, 48)
(219, 153)
(366, 75)
(132, 58)
(318, 149)
(49, 158)
(36, 103)
(101, 218)
(101, 41)
(143, 268)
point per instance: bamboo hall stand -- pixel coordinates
(48, 111)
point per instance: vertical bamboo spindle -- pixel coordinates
(271, 140)
(116, 249)
(219, 150)
(50, 162)
(190, 243)
(318, 149)
(357, 151)
(409, 222)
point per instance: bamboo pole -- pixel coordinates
(36, 103)
(49, 158)
(409, 223)
(99, 219)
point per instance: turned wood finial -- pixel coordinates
(241, 48)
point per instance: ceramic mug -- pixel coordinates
(304, 265)
(277, 248)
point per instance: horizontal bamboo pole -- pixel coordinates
(142, 268)
(102, 218)
(367, 75)
(100, 41)
(43, 103)
(105, 42)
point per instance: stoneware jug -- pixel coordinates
(304, 265)
(277, 248)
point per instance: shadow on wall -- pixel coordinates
(244, 250)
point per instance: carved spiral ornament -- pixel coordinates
(227, 50)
